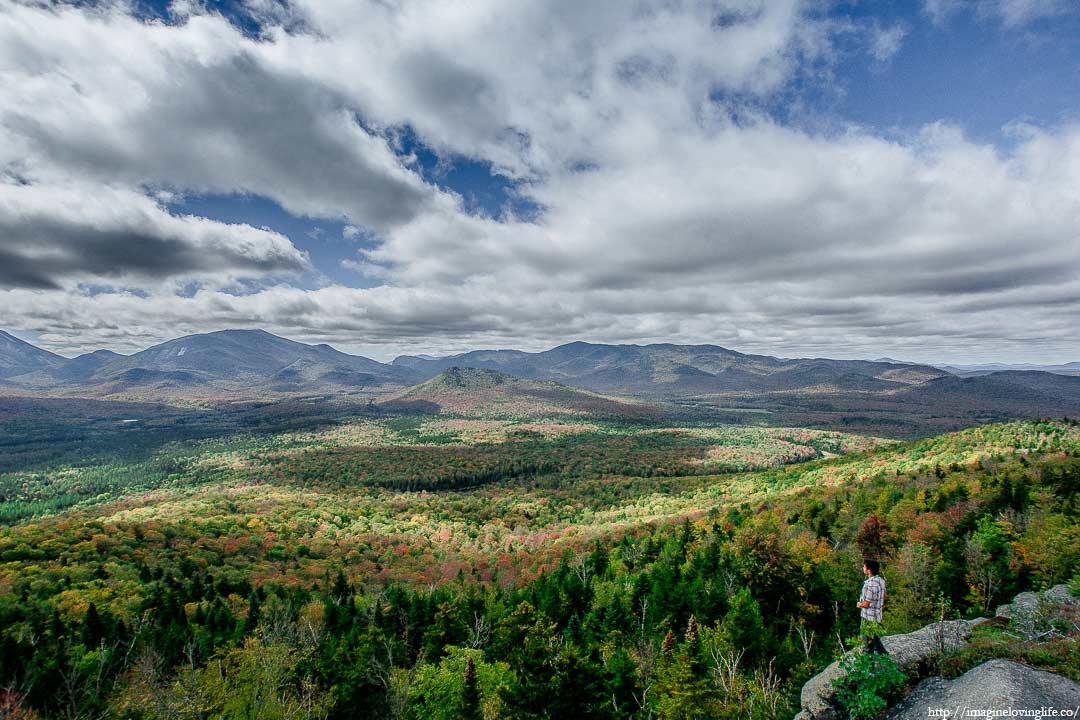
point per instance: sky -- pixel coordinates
(840, 178)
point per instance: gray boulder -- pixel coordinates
(910, 649)
(1031, 614)
(1030, 602)
(1061, 595)
(818, 694)
(994, 685)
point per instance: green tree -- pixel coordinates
(449, 690)
(743, 626)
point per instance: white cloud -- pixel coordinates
(102, 96)
(56, 236)
(1011, 13)
(886, 42)
(532, 85)
(940, 11)
(1015, 13)
(674, 208)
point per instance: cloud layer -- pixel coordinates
(675, 205)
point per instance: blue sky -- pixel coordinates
(851, 179)
(970, 70)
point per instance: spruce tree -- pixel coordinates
(470, 694)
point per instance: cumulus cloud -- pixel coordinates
(102, 95)
(530, 87)
(61, 235)
(772, 204)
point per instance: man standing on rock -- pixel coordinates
(870, 604)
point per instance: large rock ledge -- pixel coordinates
(911, 649)
(994, 685)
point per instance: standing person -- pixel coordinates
(870, 604)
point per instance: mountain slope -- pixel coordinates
(485, 392)
(18, 357)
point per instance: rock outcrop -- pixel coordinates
(909, 650)
(994, 685)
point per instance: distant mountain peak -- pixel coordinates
(467, 378)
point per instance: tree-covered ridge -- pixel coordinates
(212, 602)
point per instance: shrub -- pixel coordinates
(871, 682)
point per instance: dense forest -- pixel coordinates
(720, 608)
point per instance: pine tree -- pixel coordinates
(254, 611)
(692, 632)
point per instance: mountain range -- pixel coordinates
(248, 364)
(226, 362)
(239, 359)
(1072, 368)
(664, 370)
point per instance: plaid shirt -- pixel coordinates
(873, 590)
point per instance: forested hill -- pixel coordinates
(233, 601)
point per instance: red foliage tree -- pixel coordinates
(874, 538)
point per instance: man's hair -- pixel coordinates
(872, 565)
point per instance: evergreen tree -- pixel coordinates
(470, 693)
(93, 628)
(743, 625)
(253, 614)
